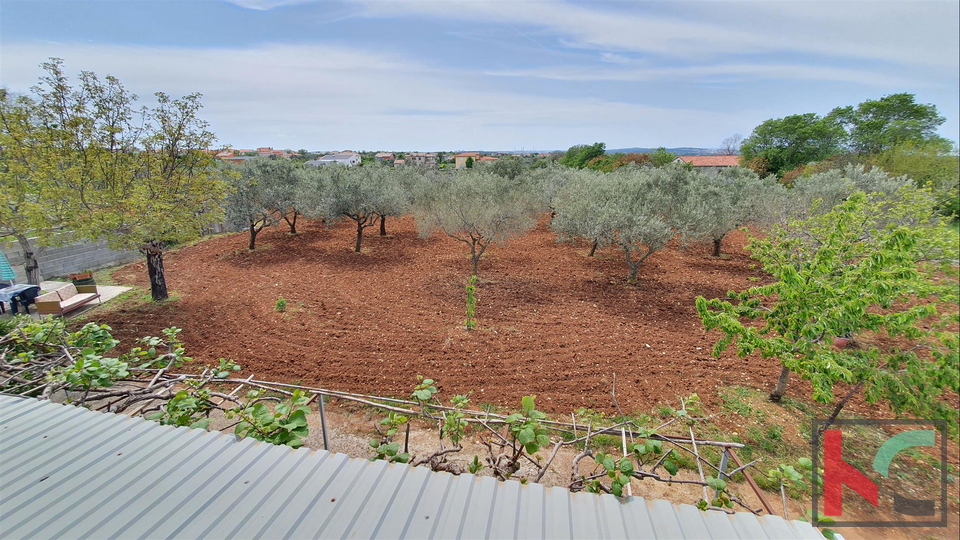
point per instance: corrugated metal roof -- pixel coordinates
(68, 472)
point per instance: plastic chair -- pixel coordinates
(3, 309)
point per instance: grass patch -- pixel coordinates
(737, 399)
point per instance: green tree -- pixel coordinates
(821, 192)
(661, 157)
(930, 165)
(637, 209)
(509, 167)
(604, 163)
(579, 155)
(781, 144)
(876, 268)
(469, 162)
(282, 178)
(730, 199)
(32, 173)
(361, 194)
(250, 204)
(140, 178)
(879, 124)
(477, 208)
(546, 181)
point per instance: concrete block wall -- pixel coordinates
(60, 261)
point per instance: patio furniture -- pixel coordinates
(12, 293)
(65, 300)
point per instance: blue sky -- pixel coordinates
(496, 75)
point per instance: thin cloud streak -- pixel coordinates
(866, 30)
(349, 98)
(712, 74)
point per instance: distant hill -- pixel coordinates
(681, 151)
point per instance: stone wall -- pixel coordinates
(60, 261)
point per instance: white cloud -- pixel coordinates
(712, 73)
(899, 32)
(351, 98)
(265, 5)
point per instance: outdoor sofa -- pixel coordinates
(66, 299)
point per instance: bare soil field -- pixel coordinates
(552, 321)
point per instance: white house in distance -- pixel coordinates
(346, 158)
(709, 164)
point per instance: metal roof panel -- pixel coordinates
(68, 472)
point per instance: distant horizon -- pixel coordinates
(524, 151)
(551, 73)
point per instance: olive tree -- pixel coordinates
(638, 209)
(877, 268)
(821, 192)
(508, 167)
(582, 205)
(283, 183)
(475, 207)
(399, 193)
(250, 204)
(730, 199)
(361, 194)
(545, 183)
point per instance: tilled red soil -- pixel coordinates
(552, 322)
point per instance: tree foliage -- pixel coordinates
(637, 209)
(931, 165)
(612, 162)
(477, 208)
(361, 194)
(821, 192)
(877, 125)
(509, 167)
(32, 182)
(661, 157)
(138, 178)
(785, 143)
(579, 155)
(879, 268)
(251, 203)
(733, 198)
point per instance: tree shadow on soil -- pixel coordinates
(278, 248)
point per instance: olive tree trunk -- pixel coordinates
(593, 248)
(383, 225)
(292, 222)
(716, 246)
(359, 236)
(475, 253)
(158, 281)
(254, 230)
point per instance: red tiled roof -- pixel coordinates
(468, 154)
(487, 158)
(711, 161)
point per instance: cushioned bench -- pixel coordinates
(66, 299)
